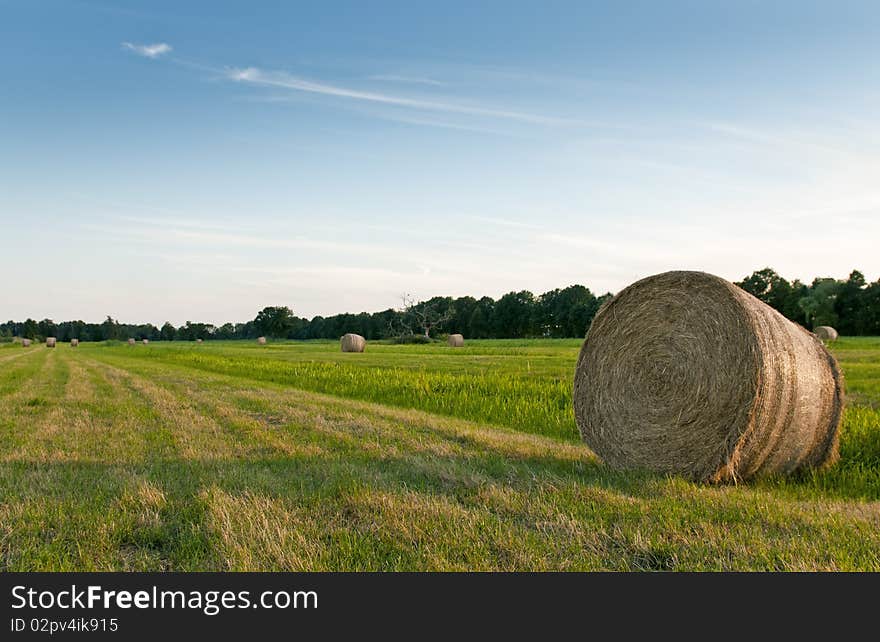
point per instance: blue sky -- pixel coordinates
(200, 160)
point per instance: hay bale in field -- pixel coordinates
(683, 372)
(261, 340)
(131, 342)
(74, 343)
(25, 343)
(456, 341)
(145, 341)
(198, 340)
(353, 343)
(50, 342)
(825, 332)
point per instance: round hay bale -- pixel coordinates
(25, 343)
(456, 341)
(685, 373)
(261, 340)
(145, 341)
(131, 342)
(353, 343)
(50, 342)
(74, 343)
(825, 332)
(198, 340)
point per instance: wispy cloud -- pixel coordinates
(428, 122)
(416, 80)
(148, 51)
(255, 76)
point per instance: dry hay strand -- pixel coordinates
(50, 342)
(25, 343)
(131, 342)
(455, 341)
(261, 340)
(353, 343)
(685, 373)
(825, 332)
(74, 343)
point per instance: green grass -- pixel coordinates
(295, 456)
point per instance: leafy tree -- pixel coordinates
(110, 328)
(274, 321)
(168, 332)
(513, 315)
(818, 305)
(848, 304)
(776, 292)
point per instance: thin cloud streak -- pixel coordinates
(149, 51)
(406, 79)
(255, 76)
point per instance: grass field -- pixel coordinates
(294, 456)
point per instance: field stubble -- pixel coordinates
(226, 456)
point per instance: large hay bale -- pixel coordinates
(684, 372)
(825, 332)
(261, 340)
(25, 343)
(145, 341)
(353, 343)
(50, 342)
(198, 340)
(131, 342)
(74, 343)
(456, 341)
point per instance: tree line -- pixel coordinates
(852, 306)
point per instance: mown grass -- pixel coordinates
(177, 457)
(527, 388)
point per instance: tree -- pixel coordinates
(274, 321)
(425, 315)
(168, 332)
(29, 329)
(776, 292)
(818, 305)
(514, 316)
(110, 328)
(848, 304)
(480, 322)
(463, 309)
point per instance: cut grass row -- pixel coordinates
(121, 462)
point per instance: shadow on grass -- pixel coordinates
(68, 499)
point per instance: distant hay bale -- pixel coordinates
(131, 342)
(25, 343)
(50, 342)
(456, 341)
(74, 343)
(145, 341)
(825, 332)
(261, 340)
(198, 340)
(683, 372)
(353, 343)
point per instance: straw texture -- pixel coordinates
(825, 332)
(353, 343)
(684, 372)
